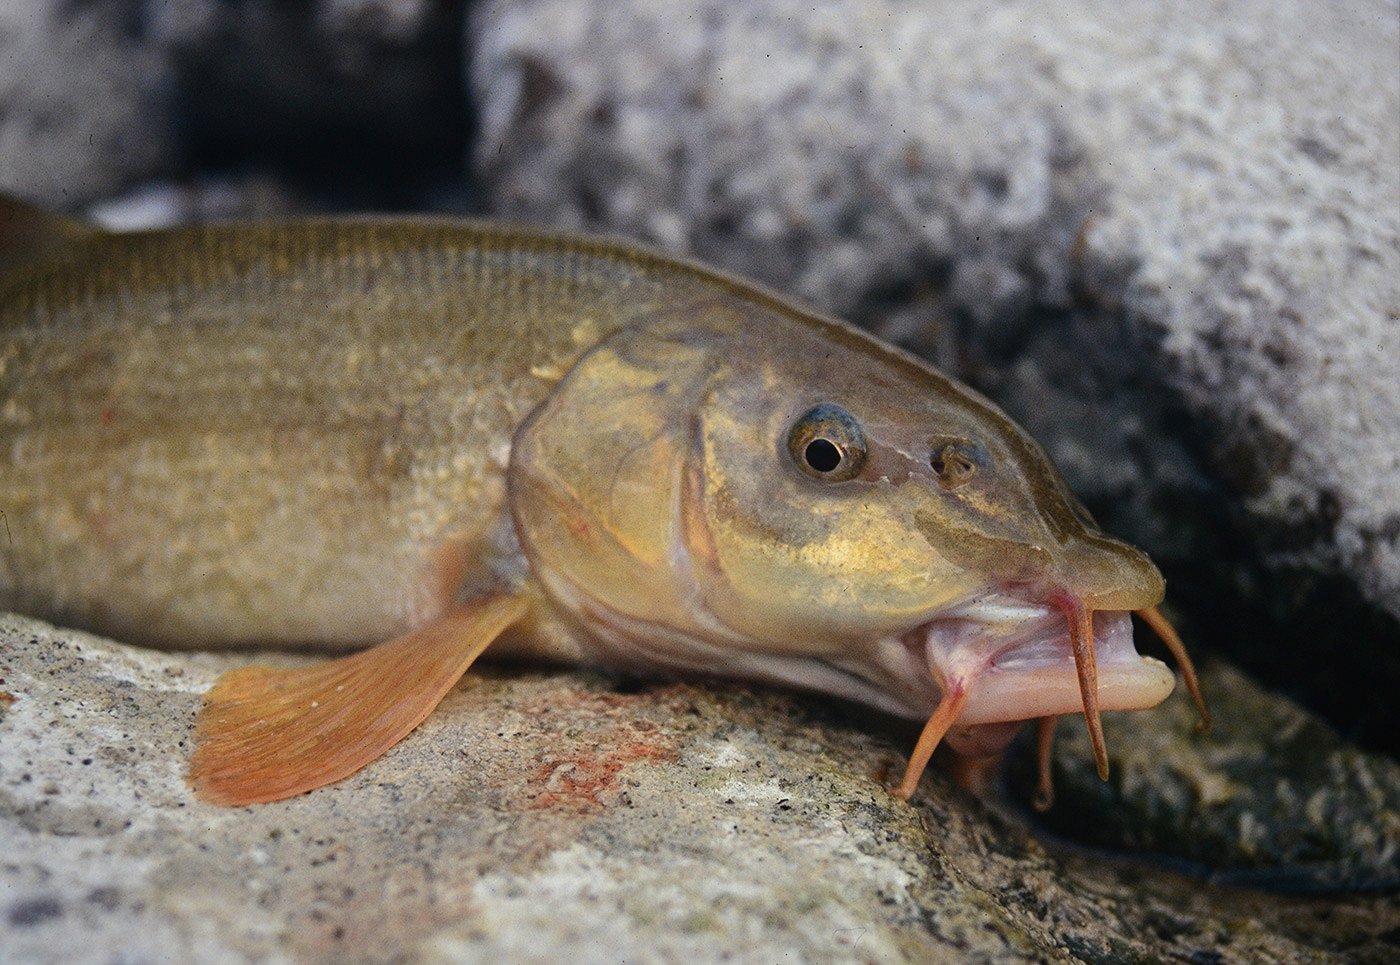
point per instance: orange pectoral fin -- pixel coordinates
(266, 733)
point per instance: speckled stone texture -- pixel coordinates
(84, 100)
(560, 816)
(1165, 237)
(1271, 799)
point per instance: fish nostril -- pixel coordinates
(952, 465)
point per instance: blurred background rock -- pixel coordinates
(1165, 237)
(348, 103)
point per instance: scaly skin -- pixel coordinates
(269, 434)
(326, 434)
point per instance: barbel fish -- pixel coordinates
(420, 438)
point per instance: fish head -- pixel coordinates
(752, 484)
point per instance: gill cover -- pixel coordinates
(597, 471)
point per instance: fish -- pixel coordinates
(405, 441)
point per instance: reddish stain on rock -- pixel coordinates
(7, 698)
(587, 782)
(596, 736)
(100, 525)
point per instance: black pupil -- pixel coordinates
(822, 455)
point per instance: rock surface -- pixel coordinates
(538, 815)
(84, 101)
(1270, 797)
(1167, 239)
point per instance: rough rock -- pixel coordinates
(1270, 797)
(1166, 238)
(539, 815)
(84, 100)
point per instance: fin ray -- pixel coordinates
(267, 733)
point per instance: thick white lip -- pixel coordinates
(1015, 660)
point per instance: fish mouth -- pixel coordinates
(1016, 661)
(999, 659)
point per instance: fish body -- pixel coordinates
(281, 435)
(431, 436)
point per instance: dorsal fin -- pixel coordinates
(28, 231)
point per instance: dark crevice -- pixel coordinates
(280, 96)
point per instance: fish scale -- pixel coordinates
(423, 438)
(197, 387)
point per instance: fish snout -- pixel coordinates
(1105, 574)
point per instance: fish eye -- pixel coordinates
(953, 461)
(827, 444)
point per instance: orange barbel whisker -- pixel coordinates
(1162, 627)
(1044, 749)
(942, 718)
(1081, 640)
